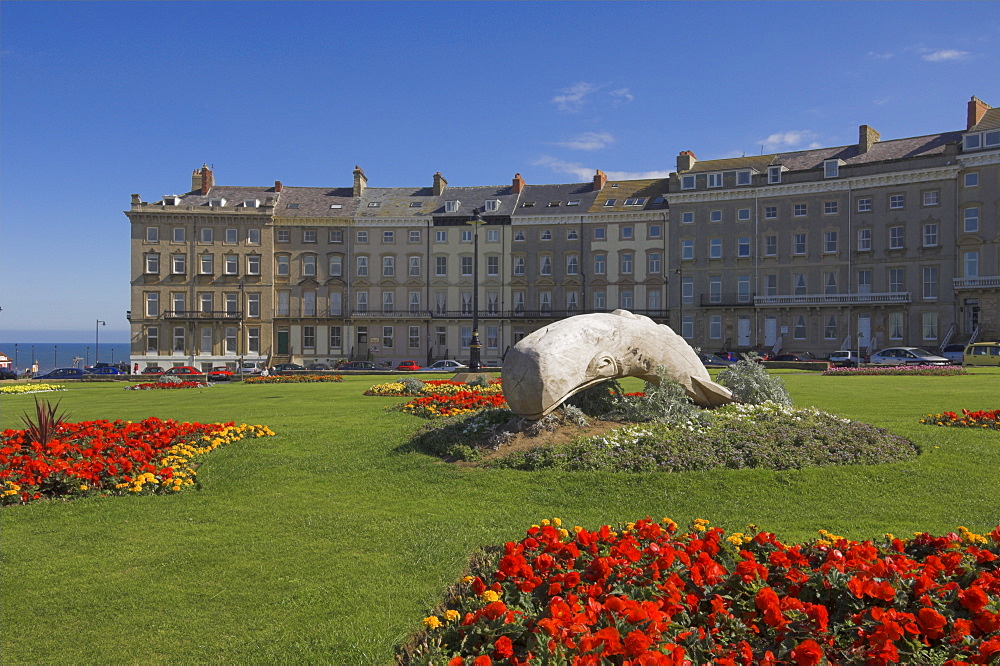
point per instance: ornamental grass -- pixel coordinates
(293, 379)
(647, 593)
(109, 457)
(22, 389)
(918, 370)
(989, 419)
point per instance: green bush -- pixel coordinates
(751, 384)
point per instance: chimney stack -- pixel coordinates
(439, 184)
(867, 137)
(207, 179)
(360, 181)
(600, 178)
(517, 184)
(277, 186)
(685, 161)
(977, 109)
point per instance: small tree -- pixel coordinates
(750, 383)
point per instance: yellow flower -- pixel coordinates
(545, 521)
(563, 533)
(468, 579)
(577, 529)
(432, 622)
(556, 522)
(489, 596)
(83, 487)
(451, 615)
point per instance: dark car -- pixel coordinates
(318, 366)
(728, 356)
(798, 358)
(7, 373)
(714, 361)
(183, 370)
(359, 365)
(287, 367)
(107, 370)
(153, 370)
(408, 365)
(63, 373)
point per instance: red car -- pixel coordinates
(183, 370)
(408, 365)
(220, 374)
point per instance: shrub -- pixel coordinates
(599, 399)
(750, 383)
(663, 403)
(479, 381)
(412, 385)
(461, 437)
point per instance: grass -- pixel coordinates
(324, 544)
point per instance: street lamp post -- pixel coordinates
(97, 340)
(680, 299)
(475, 346)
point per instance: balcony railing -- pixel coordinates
(725, 300)
(835, 299)
(204, 314)
(297, 313)
(991, 282)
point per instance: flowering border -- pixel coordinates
(293, 379)
(149, 386)
(979, 419)
(24, 389)
(912, 370)
(645, 593)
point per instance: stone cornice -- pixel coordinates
(981, 158)
(818, 187)
(593, 217)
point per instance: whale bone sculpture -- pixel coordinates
(553, 363)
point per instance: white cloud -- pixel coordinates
(882, 101)
(789, 139)
(588, 141)
(622, 95)
(944, 55)
(885, 55)
(584, 173)
(572, 98)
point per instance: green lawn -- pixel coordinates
(324, 544)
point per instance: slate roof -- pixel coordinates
(233, 194)
(313, 202)
(990, 120)
(536, 200)
(470, 198)
(757, 162)
(651, 190)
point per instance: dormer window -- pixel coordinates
(171, 200)
(774, 174)
(217, 203)
(973, 141)
(635, 201)
(687, 182)
(979, 140)
(831, 168)
(251, 203)
(611, 202)
(715, 180)
(492, 205)
(743, 177)
(452, 206)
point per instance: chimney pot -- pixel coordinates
(277, 186)
(439, 184)
(686, 161)
(517, 184)
(207, 179)
(360, 181)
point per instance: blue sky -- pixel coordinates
(100, 100)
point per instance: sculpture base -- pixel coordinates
(466, 377)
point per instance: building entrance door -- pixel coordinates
(743, 331)
(283, 341)
(770, 331)
(971, 315)
(864, 331)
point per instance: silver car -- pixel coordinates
(907, 356)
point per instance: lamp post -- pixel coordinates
(97, 340)
(680, 299)
(55, 362)
(475, 347)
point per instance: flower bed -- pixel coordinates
(149, 386)
(460, 402)
(645, 593)
(431, 387)
(920, 370)
(293, 379)
(980, 419)
(110, 457)
(21, 389)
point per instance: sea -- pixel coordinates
(63, 355)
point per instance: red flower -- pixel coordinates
(973, 599)
(503, 648)
(931, 623)
(807, 653)
(636, 642)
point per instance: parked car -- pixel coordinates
(714, 361)
(845, 358)
(907, 356)
(954, 353)
(153, 370)
(286, 367)
(408, 365)
(446, 366)
(982, 353)
(63, 373)
(251, 368)
(360, 365)
(797, 358)
(220, 374)
(7, 373)
(728, 355)
(183, 370)
(318, 366)
(107, 370)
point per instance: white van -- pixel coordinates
(251, 368)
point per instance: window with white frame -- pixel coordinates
(773, 175)
(493, 265)
(232, 303)
(361, 300)
(572, 264)
(687, 217)
(895, 325)
(970, 261)
(830, 208)
(283, 306)
(654, 263)
(545, 265)
(572, 301)
(178, 234)
(441, 266)
(625, 299)
(626, 232)
(687, 249)
(152, 234)
(309, 337)
(414, 235)
(492, 205)
(600, 264)
(600, 233)
(799, 332)
(440, 302)
(715, 216)
(687, 182)
(253, 264)
(179, 263)
(864, 240)
(336, 299)
(865, 205)
(308, 235)
(929, 324)
(864, 281)
(492, 302)
(830, 284)
(932, 198)
(152, 263)
(715, 288)
(232, 236)
(625, 263)
(205, 235)
(452, 206)
(743, 246)
(493, 337)
(800, 209)
(206, 264)
(770, 212)
(282, 265)
(743, 177)
(414, 301)
(336, 265)
(931, 234)
(336, 236)
(179, 339)
(743, 288)
(654, 231)
(799, 282)
(687, 290)
(831, 168)
(600, 300)
(361, 236)
(518, 268)
(152, 304)
(715, 327)
(361, 263)
(518, 298)
(771, 245)
(654, 299)
(743, 214)
(830, 330)
(466, 298)
(414, 266)
(388, 301)
(897, 280)
(206, 301)
(972, 179)
(545, 235)
(309, 265)
(572, 233)
(492, 235)
(465, 266)
(413, 337)
(829, 241)
(519, 236)
(466, 236)
(930, 282)
(770, 284)
(152, 339)
(336, 337)
(897, 238)
(466, 335)
(388, 266)
(971, 217)
(799, 243)
(253, 236)
(253, 339)
(253, 305)
(687, 327)
(231, 264)
(231, 340)
(545, 301)
(441, 236)
(897, 201)
(388, 236)
(715, 180)
(715, 248)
